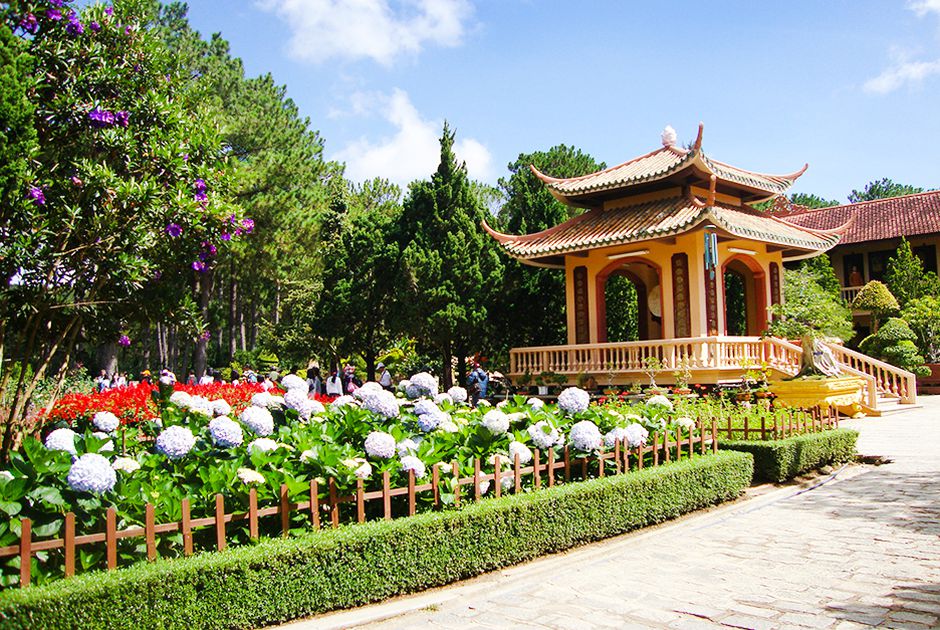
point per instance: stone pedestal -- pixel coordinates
(842, 392)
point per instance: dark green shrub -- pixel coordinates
(894, 344)
(279, 580)
(780, 460)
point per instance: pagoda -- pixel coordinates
(674, 222)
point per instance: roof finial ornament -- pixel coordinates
(698, 140)
(669, 136)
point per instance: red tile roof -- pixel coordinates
(656, 219)
(876, 220)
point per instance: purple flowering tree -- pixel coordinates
(119, 216)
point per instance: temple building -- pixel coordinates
(675, 223)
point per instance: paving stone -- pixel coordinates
(923, 618)
(809, 621)
(753, 623)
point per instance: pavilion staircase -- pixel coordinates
(711, 360)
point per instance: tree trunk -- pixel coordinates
(232, 315)
(462, 368)
(200, 358)
(107, 357)
(447, 376)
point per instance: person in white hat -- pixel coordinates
(385, 377)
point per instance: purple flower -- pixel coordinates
(157, 274)
(109, 10)
(54, 14)
(121, 118)
(248, 224)
(127, 30)
(198, 265)
(74, 27)
(206, 335)
(226, 236)
(200, 196)
(38, 197)
(57, 3)
(124, 340)
(186, 157)
(76, 181)
(94, 26)
(174, 230)
(30, 24)
(100, 117)
(137, 67)
(199, 185)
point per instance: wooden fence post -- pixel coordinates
(334, 504)
(516, 474)
(567, 465)
(111, 537)
(386, 496)
(253, 513)
(456, 470)
(617, 455)
(714, 436)
(412, 501)
(496, 475)
(149, 533)
(360, 501)
(551, 467)
(536, 469)
(285, 511)
(186, 528)
(315, 503)
(219, 522)
(476, 479)
(69, 541)
(26, 551)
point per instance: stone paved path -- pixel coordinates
(862, 549)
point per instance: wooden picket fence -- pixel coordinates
(325, 510)
(795, 422)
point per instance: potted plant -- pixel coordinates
(651, 367)
(682, 376)
(524, 380)
(541, 382)
(560, 380)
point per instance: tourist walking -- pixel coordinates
(385, 377)
(477, 383)
(334, 384)
(314, 383)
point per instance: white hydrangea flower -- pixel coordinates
(105, 421)
(380, 444)
(293, 382)
(275, 402)
(315, 407)
(406, 447)
(175, 442)
(484, 487)
(343, 401)
(685, 422)
(295, 398)
(382, 403)
(617, 434)
(92, 473)
(457, 394)
(61, 440)
(199, 404)
(585, 436)
(442, 398)
(221, 407)
(502, 403)
(496, 422)
(307, 409)
(258, 419)
(659, 401)
(248, 476)
(125, 464)
(574, 400)
(447, 425)
(535, 403)
(544, 435)
(363, 471)
(506, 482)
(369, 387)
(517, 416)
(423, 384)
(424, 406)
(180, 398)
(308, 456)
(427, 422)
(520, 449)
(403, 385)
(262, 445)
(410, 462)
(157, 421)
(107, 447)
(225, 432)
(6, 474)
(636, 435)
(483, 402)
(260, 399)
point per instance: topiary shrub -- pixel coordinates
(875, 297)
(894, 344)
(780, 460)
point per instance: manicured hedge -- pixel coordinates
(278, 580)
(780, 460)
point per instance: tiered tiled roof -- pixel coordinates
(664, 163)
(657, 219)
(876, 220)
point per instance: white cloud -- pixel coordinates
(906, 72)
(378, 29)
(923, 7)
(413, 151)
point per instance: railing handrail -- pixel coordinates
(636, 344)
(910, 379)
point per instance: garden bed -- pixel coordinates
(278, 580)
(781, 460)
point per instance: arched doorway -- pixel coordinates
(745, 297)
(629, 302)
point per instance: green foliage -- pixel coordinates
(923, 316)
(876, 298)
(894, 344)
(780, 460)
(621, 301)
(882, 189)
(820, 267)
(530, 310)
(905, 276)
(454, 270)
(808, 307)
(735, 306)
(278, 580)
(811, 201)
(17, 133)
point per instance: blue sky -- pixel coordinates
(850, 86)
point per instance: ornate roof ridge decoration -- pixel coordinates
(659, 218)
(660, 164)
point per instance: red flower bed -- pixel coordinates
(133, 404)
